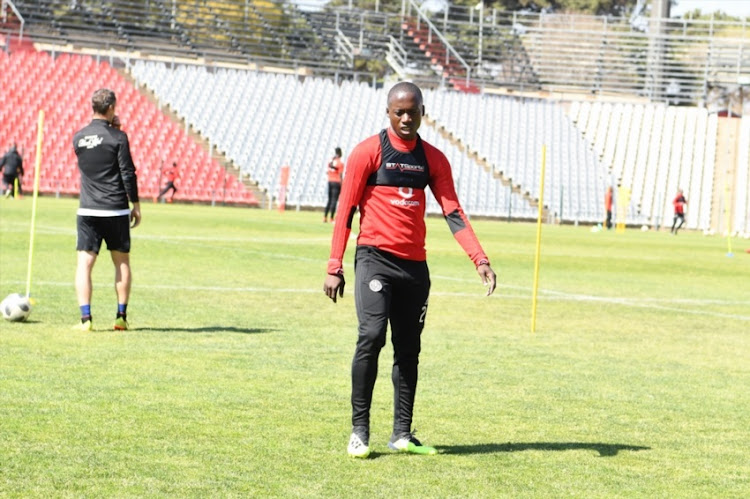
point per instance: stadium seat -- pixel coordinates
(68, 80)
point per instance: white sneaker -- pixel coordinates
(359, 443)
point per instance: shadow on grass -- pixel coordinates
(204, 329)
(604, 450)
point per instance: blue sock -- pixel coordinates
(85, 311)
(122, 309)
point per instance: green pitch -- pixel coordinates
(234, 380)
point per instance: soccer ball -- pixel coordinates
(15, 307)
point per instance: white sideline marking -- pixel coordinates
(547, 294)
(48, 229)
(555, 295)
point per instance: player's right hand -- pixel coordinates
(334, 285)
(488, 276)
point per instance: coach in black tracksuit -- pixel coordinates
(108, 186)
(12, 167)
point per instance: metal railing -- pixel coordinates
(659, 59)
(672, 60)
(397, 57)
(344, 48)
(422, 17)
(7, 4)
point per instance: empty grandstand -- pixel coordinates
(233, 91)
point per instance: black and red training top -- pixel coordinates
(386, 178)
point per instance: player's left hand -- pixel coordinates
(489, 279)
(135, 216)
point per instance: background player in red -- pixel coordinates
(386, 179)
(679, 203)
(608, 207)
(172, 175)
(334, 170)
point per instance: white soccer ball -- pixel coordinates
(644, 228)
(15, 307)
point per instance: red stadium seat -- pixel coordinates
(68, 81)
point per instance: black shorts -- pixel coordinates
(9, 180)
(114, 230)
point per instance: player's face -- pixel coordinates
(405, 112)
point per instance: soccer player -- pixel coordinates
(171, 177)
(608, 207)
(108, 185)
(386, 179)
(679, 203)
(11, 165)
(334, 170)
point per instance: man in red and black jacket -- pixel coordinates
(386, 176)
(172, 175)
(334, 171)
(679, 203)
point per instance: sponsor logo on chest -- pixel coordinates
(404, 167)
(406, 194)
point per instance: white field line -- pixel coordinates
(550, 295)
(172, 239)
(525, 292)
(17, 227)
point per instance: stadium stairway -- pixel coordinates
(434, 50)
(62, 87)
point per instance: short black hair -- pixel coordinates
(338, 151)
(102, 99)
(405, 86)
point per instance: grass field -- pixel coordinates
(234, 380)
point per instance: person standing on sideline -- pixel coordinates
(12, 167)
(679, 203)
(172, 175)
(608, 207)
(386, 178)
(108, 185)
(335, 169)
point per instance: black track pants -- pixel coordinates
(386, 289)
(334, 189)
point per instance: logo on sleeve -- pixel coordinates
(90, 141)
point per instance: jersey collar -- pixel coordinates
(399, 143)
